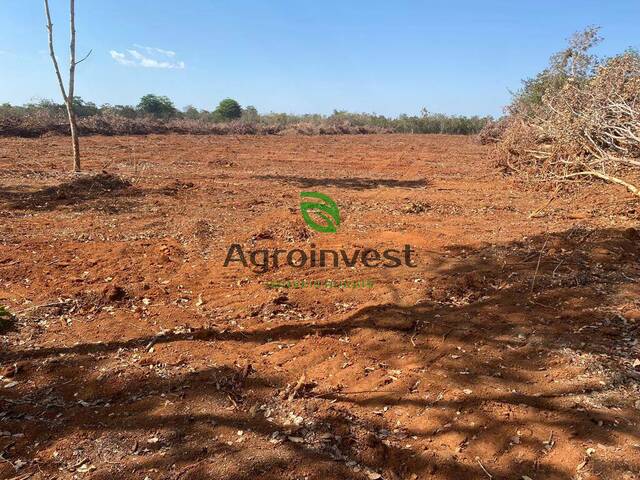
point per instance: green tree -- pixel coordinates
(157, 106)
(228, 109)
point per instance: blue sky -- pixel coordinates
(302, 56)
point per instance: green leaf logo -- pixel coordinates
(328, 211)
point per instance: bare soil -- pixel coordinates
(510, 352)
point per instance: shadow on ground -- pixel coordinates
(73, 192)
(103, 191)
(345, 182)
(494, 330)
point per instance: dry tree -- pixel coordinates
(67, 94)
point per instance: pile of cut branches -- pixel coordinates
(582, 126)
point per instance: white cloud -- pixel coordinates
(121, 58)
(154, 50)
(152, 58)
(137, 55)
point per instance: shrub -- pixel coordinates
(126, 111)
(191, 112)
(250, 114)
(84, 109)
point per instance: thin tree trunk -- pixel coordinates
(72, 84)
(73, 124)
(67, 95)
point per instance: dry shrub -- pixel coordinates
(41, 123)
(585, 129)
(302, 128)
(33, 125)
(493, 131)
(333, 128)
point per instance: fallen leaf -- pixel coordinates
(85, 467)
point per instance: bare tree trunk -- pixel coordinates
(73, 124)
(72, 84)
(67, 95)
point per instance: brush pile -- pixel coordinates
(579, 120)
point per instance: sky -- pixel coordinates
(387, 57)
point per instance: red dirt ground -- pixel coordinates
(511, 351)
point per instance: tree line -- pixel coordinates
(160, 108)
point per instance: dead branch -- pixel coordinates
(52, 52)
(609, 178)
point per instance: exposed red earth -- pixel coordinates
(509, 352)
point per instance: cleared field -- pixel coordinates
(507, 351)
